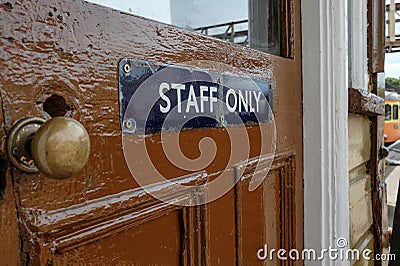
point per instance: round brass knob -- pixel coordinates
(61, 147)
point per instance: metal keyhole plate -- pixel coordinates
(19, 143)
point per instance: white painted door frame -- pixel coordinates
(325, 112)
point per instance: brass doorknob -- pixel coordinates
(59, 147)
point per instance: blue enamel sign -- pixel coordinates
(155, 97)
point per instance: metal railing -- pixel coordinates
(228, 31)
(392, 148)
(392, 42)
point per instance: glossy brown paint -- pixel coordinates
(10, 246)
(161, 250)
(72, 49)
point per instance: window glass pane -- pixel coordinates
(395, 112)
(252, 23)
(388, 112)
(264, 28)
(223, 19)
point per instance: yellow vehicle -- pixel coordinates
(392, 102)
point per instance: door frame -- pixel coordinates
(325, 123)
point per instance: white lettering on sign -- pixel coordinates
(178, 88)
(192, 100)
(243, 100)
(164, 87)
(228, 94)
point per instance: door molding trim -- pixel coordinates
(358, 44)
(325, 124)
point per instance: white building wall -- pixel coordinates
(159, 10)
(183, 13)
(198, 13)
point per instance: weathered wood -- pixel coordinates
(364, 102)
(9, 231)
(378, 195)
(359, 140)
(360, 208)
(376, 36)
(369, 104)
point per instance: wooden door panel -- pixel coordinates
(88, 80)
(222, 234)
(156, 242)
(252, 231)
(72, 49)
(9, 230)
(272, 210)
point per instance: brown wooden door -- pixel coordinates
(72, 49)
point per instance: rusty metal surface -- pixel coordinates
(72, 49)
